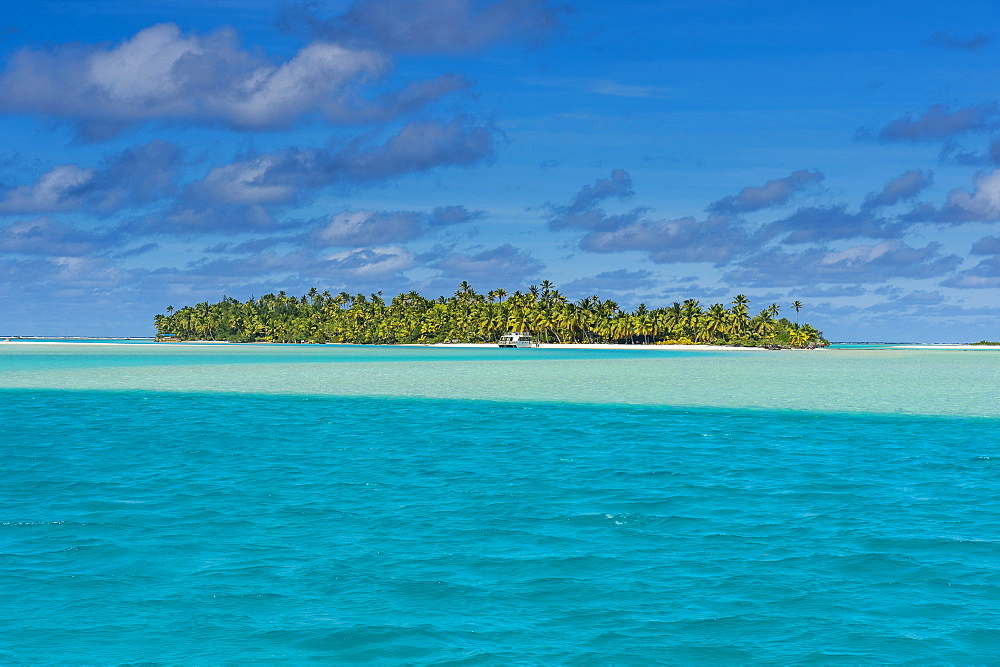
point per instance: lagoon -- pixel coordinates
(289, 504)
(897, 380)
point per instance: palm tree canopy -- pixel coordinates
(467, 316)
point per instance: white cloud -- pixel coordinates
(503, 263)
(859, 264)
(89, 272)
(56, 190)
(135, 175)
(243, 182)
(861, 254)
(982, 204)
(349, 228)
(160, 74)
(319, 76)
(370, 263)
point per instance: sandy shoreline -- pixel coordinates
(547, 346)
(720, 348)
(603, 346)
(544, 346)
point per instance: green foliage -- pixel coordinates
(470, 317)
(987, 342)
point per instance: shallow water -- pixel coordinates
(175, 505)
(931, 382)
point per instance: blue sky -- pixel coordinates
(846, 155)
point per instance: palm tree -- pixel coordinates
(467, 316)
(715, 321)
(465, 291)
(764, 324)
(739, 311)
(797, 305)
(690, 312)
(642, 322)
(546, 289)
(674, 316)
(799, 337)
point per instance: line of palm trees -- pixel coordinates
(469, 316)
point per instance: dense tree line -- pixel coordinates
(468, 316)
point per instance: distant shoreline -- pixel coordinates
(544, 346)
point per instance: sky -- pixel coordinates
(168, 152)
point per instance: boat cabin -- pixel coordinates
(517, 340)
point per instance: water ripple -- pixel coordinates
(201, 528)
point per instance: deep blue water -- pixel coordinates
(180, 528)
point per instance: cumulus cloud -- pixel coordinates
(369, 263)
(135, 176)
(583, 213)
(503, 264)
(243, 182)
(58, 189)
(362, 264)
(244, 194)
(259, 265)
(618, 185)
(902, 188)
(47, 237)
(773, 193)
(417, 146)
(937, 123)
(430, 26)
(716, 239)
(952, 152)
(919, 298)
(859, 264)
(954, 42)
(89, 272)
(621, 280)
(63, 279)
(594, 220)
(816, 224)
(364, 228)
(160, 74)
(986, 273)
(988, 245)
(980, 205)
(360, 228)
(444, 216)
(187, 217)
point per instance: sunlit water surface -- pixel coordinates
(178, 503)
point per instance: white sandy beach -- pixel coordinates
(546, 346)
(606, 346)
(718, 348)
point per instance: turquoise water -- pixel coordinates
(178, 504)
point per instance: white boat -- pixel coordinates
(517, 340)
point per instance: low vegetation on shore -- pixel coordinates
(470, 317)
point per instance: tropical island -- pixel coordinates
(471, 317)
